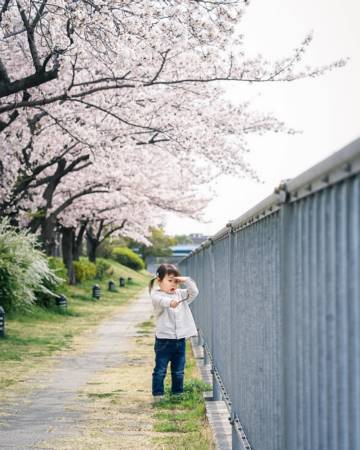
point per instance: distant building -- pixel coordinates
(198, 238)
(179, 251)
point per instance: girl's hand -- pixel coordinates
(174, 303)
(181, 279)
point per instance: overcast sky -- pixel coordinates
(326, 109)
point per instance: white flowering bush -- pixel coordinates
(24, 269)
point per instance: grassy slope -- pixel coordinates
(32, 339)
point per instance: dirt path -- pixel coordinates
(97, 399)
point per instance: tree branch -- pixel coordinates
(30, 31)
(39, 14)
(26, 83)
(109, 233)
(163, 55)
(4, 8)
(70, 200)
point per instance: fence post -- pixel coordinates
(200, 338)
(216, 388)
(213, 281)
(235, 441)
(288, 326)
(206, 356)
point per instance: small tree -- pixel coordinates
(24, 269)
(160, 244)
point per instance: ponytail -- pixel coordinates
(151, 284)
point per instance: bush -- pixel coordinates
(102, 268)
(24, 269)
(84, 270)
(58, 267)
(128, 258)
(106, 247)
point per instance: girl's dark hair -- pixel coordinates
(162, 270)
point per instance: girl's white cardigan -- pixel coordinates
(175, 323)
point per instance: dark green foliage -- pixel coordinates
(102, 268)
(84, 270)
(160, 244)
(128, 258)
(106, 247)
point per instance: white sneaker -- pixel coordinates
(157, 398)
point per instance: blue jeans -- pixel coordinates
(173, 351)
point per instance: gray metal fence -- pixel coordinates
(279, 311)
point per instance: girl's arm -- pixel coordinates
(191, 292)
(161, 300)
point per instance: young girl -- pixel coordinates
(174, 323)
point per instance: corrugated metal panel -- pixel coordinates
(279, 307)
(256, 330)
(324, 387)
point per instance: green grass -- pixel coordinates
(189, 399)
(16, 348)
(146, 328)
(104, 394)
(183, 414)
(37, 334)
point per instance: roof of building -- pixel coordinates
(183, 249)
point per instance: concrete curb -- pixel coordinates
(216, 411)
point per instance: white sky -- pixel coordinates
(326, 109)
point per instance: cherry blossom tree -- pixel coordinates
(107, 106)
(133, 202)
(72, 50)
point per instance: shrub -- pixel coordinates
(24, 269)
(84, 270)
(102, 268)
(128, 258)
(58, 267)
(106, 247)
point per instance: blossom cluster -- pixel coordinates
(114, 110)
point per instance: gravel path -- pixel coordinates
(44, 413)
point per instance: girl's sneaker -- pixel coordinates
(157, 398)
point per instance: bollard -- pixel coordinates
(111, 286)
(2, 322)
(122, 282)
(96, 291)
(61, 301)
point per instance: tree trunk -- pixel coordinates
(78, 248)
(92, 245)
(78, 242)
(48, 235)
(93, 240)
(67, 251)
